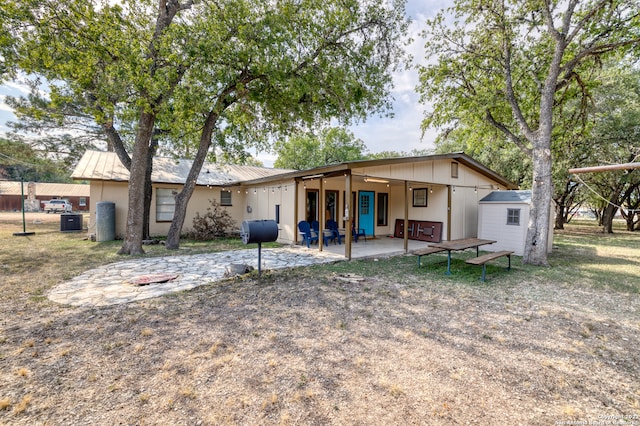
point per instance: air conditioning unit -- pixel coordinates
(70, 222)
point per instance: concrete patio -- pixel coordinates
(380, 246)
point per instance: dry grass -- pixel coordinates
(532, 346)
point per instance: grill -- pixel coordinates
(259, 231)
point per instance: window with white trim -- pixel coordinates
(225, 198)
(165, 204)
(513, 217)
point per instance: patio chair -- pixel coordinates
(337, 232)
(326, 237)
(306, 233)
(358, 232)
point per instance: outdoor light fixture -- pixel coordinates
(375, 180)
(312, 177)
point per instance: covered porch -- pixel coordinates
(381, 246)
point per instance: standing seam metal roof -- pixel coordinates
(98, 165)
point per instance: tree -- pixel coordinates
(209, 73)
(18, 160)
(306, 150)
(511, 65)
(616, 139)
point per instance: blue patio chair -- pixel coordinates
(306, 233)
(315, 226)
(358, 232)
(337, 233)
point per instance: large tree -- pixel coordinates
(511, 64)
(616, 139)
(224, 74)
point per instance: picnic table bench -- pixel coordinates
(482, 260)
(426, 251)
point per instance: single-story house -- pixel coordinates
(37, 193)
(504, 216)
(434, 197)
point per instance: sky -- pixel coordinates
(400, 133)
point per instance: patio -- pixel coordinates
(382, 246)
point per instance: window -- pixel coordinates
(383, 209)
(513, 217)
(225, 198)
(420, 197)
(83, 201)
(454, 170)
(331, 205)
(165, 204)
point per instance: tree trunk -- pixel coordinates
(182, 199)
(148, 189)
(535, 252)
(607, 218)
(132, 243)
(560, 216)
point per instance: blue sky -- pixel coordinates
(400, 133)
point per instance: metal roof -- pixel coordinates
(508, 197)
(45, 189)
(99, 165)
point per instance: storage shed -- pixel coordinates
(504, 216)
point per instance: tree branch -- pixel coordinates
(508, 133)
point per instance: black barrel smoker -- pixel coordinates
(259, 231)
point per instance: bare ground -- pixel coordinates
(299, 348)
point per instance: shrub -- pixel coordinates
(216, 223)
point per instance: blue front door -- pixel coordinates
(366, 214)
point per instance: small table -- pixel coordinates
(460, 245)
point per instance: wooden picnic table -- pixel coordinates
(459, 245)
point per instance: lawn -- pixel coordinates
(362, 342)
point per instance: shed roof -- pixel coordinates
(99, 165)
(523, 196)
(46, 189)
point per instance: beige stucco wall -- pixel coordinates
(116, 192)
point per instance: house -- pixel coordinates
(383, 197)
(504, 216)
(36, 193)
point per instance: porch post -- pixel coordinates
(448, 212)
(405, 233)
(348, 211)
(295, 210)
(321, 219)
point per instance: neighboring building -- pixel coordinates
(36, 193)
(444, 189)
(504, 217)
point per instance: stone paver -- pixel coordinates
(108, 285)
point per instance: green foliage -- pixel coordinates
(19, 160)
(215, 223)
(235, 74)
(303, 151)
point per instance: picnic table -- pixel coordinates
(459, 245)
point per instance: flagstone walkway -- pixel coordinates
(112, 284)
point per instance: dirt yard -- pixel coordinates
(322, 346)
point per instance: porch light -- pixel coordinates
(431, 190)
(375, 180)
(255, 191)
